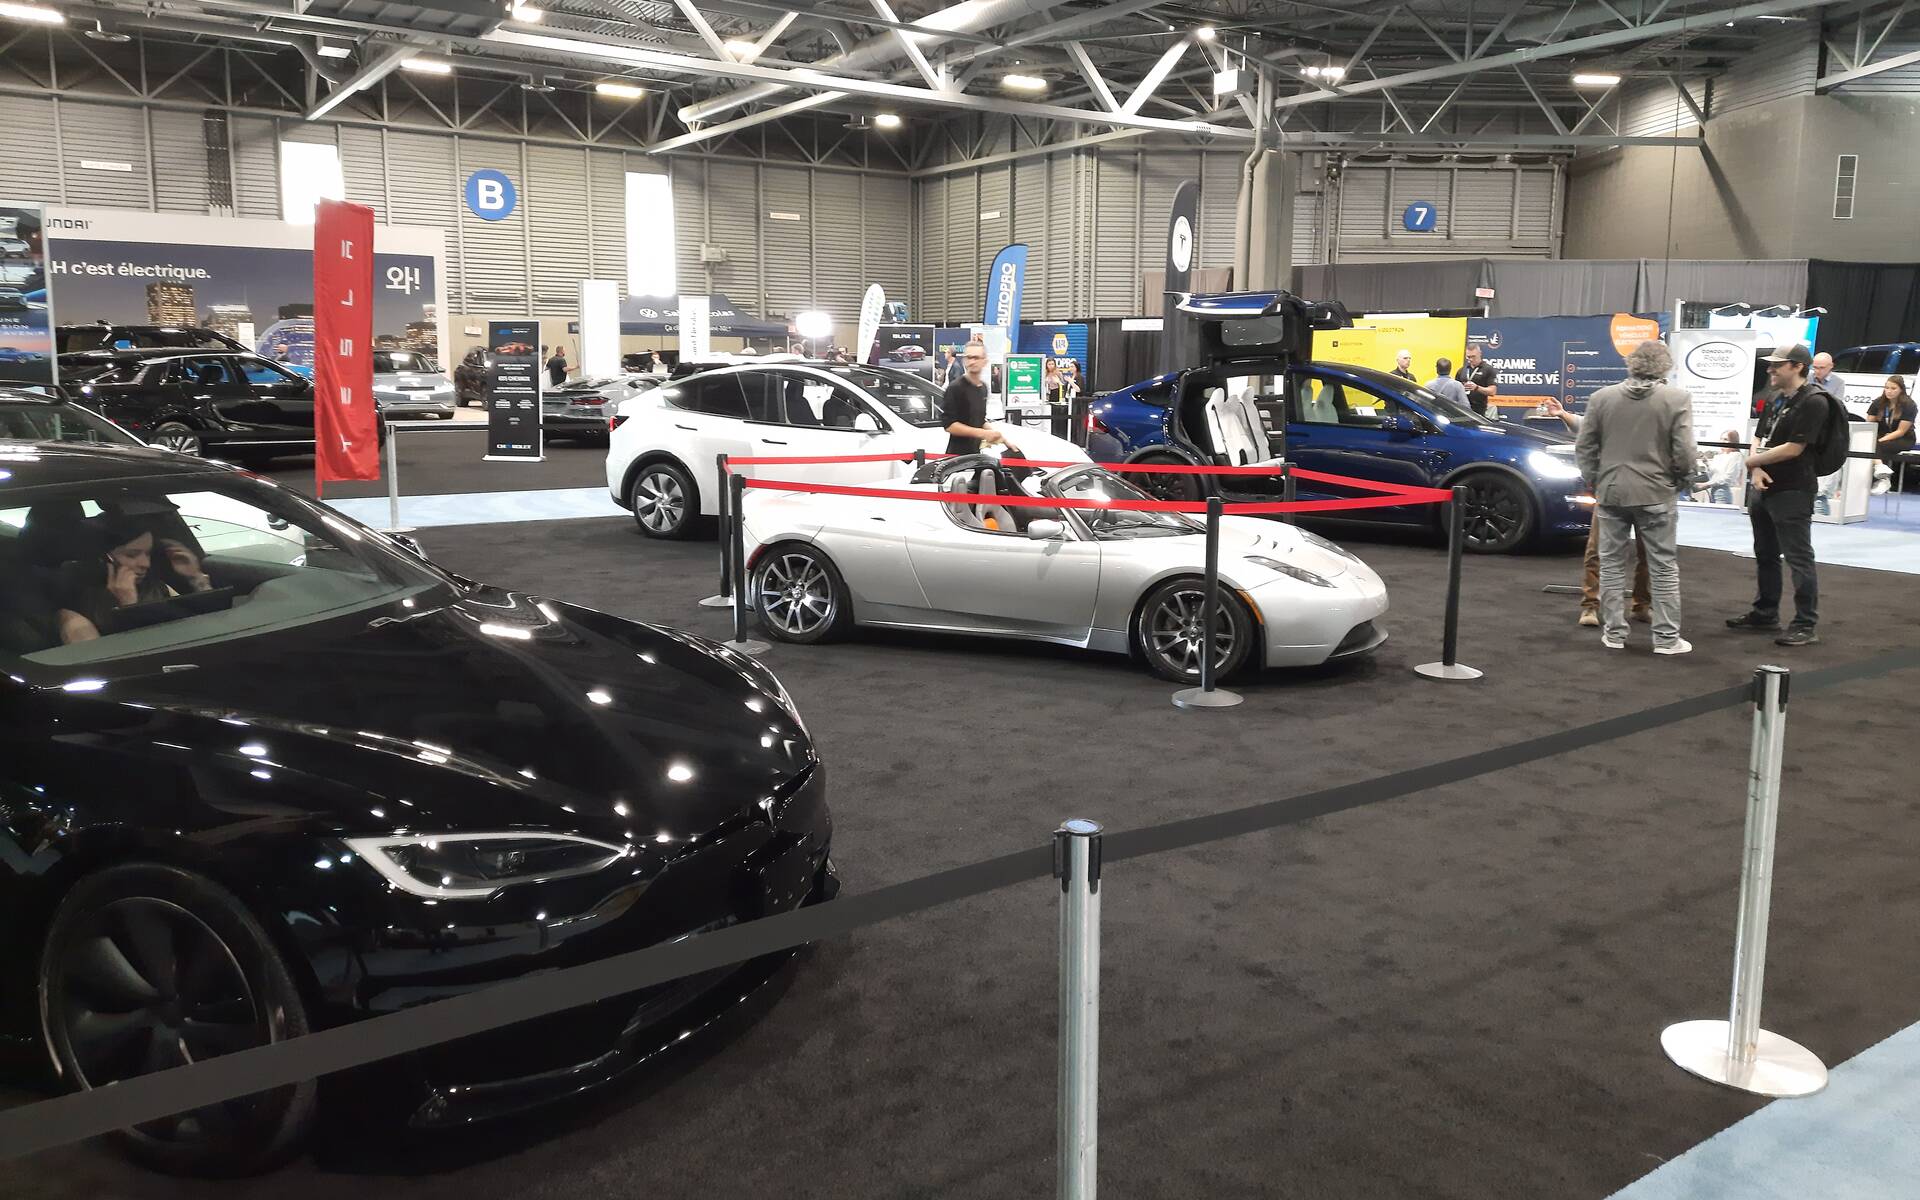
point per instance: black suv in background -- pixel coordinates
(231, 404)
(76, 339)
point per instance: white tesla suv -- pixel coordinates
(661, 457)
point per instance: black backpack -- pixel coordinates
(1830, 452)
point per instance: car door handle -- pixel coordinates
(771, 442)
(688, 428)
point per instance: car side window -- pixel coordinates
(1317, 401)
(1909, 362)
(716, 395)
(814, 402)
(262, 373)
(200, 372)
(1343, 403)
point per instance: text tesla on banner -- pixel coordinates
(346, 425)
(26, 305)
(1004, 282)
(871, 306)
(696, 328)
(513, 391)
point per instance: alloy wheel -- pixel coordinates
(659, 502)
(178, 439)
(1176, 632)
(796, 595)
(146, 985)
(1495, 513)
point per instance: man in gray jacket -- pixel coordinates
(1636, 451)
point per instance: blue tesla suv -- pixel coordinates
(1255, 378)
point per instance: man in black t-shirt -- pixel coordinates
(1480, 380)
(963, 407)
(1780, 501)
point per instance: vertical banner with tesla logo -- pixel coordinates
(513, 391)
(1181, 235)
(346, 433)
(1003, 288)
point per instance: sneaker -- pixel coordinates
(1680, 646)
(1754, 621)
(1643, 615)
(1589, 617)
(1613, 643)
(1798, 637)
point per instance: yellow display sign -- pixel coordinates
(1376, 342)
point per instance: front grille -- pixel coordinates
(1359, 637)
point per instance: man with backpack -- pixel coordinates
(1801, 445)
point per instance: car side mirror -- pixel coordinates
(866, 423)
(1046, 531)
(410, 544)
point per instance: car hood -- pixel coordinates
(493, 710)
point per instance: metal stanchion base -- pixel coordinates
(1201, 698)
(1779, 1068)
(1562, 589)
(717, 602)
(749, 646)
(402, 529)
(1456, 671)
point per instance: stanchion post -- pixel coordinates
(724, 597)
(1289, 490)
(736, 538)
(1736, 1052)
(1449, 666)
(1076, 864)
(1206, 695)
(919, 459)
(393, 480)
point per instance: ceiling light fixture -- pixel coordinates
(100, 33)
(427, 66)
(620, 91)
(33, 13)
(335, 50)
(1024, 83)
(1595, 80)
(887, 120)
(1324, 72)
(527, 14)
(740, 48)
(1206, 33)
(539, 87)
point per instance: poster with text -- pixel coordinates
(906, 348)
(249, 280)
(513, 391)
(26, 313)
(1567, 358)
(1716, 366)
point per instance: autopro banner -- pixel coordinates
(1004, 282)
(513, 391)
(346, 433)
(1567, 358)
(26, 311)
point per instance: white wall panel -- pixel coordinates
(554, 196)
(689, 225)
(839, 259)
(965, 293)
(1219, 198)
(1786, 64)
(29, 157)
(363, 166)
(1116, 247)
(105, 133)
(930, 249)
(254, 144)
(607, 220)
(1309, 228)
(787, 228)
(735, 218)
(886, 235)
(180, 161)
(494, 253)
(421, 182)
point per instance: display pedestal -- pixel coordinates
(1457, 672)
(1202, 698)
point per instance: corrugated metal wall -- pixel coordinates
(1786, 65)
(1656, 110)
(851, 228)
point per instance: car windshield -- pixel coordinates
(101, 571)
(387, 362)
(911, 398)
(1092, 483)
(58, 423)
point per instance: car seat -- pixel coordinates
(53, 532)
(1228, 426)
(994, 518)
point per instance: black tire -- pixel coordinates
(147, 967)
(1500, 513)
(1167, 630)
(1169, 486)
(800, 596)
(177, 437)
(664, 501)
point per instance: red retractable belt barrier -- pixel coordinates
(1257, 508)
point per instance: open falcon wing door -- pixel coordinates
(1233, 342)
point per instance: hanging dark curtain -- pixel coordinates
(1866, 303)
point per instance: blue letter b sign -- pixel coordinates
(490, 195)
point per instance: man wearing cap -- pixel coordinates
(1780, 492)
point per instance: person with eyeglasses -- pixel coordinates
(1780, 494)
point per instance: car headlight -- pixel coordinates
(1314, 539)
(1291, 571)
(461, 866)
(1552, 466)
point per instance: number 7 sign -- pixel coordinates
(1419, 217)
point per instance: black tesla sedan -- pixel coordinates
(264, 770)
(238, 405)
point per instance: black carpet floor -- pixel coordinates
(447, 461)
(1457, 994)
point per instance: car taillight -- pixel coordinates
(585, 401)
(616, 421)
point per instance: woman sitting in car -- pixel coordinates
(121, 575)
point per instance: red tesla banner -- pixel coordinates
(345, 424)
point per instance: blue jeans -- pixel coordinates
(1720, 493)
(1655, 528)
